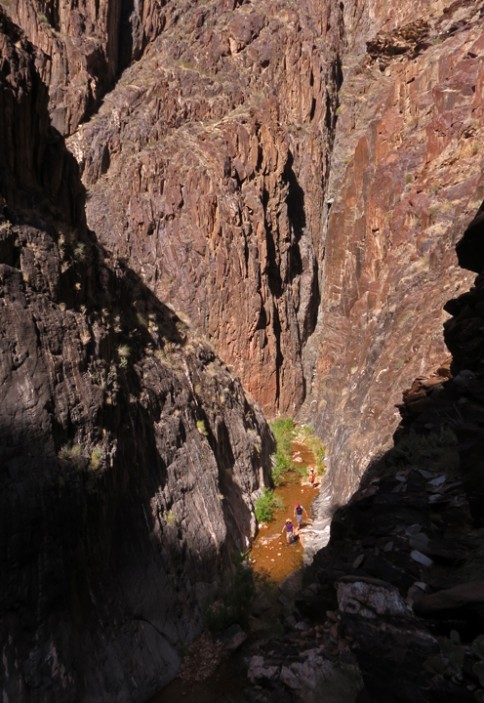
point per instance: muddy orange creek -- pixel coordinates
(271, 558)
(270, 555)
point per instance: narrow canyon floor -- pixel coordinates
(273, 564)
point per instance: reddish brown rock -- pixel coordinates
(205, 169)
(84, 47)
(318, 273)
(406, 178)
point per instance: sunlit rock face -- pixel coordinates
(130, 456)
(84, 47)
(406, 178)
(205, 168)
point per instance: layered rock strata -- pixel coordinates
(130, 455)
(406, 178)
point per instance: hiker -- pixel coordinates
(299, 511)
(312, 477)
(289, 528)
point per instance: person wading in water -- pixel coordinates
(289, 529)
(299, 511)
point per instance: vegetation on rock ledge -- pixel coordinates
(284, 431)
(266, 505)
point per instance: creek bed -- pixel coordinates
(270, 557)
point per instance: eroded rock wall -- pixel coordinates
(406, 178)
(130, 456)
(85, 47)
(206, 169)
(392, 607)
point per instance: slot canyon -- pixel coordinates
(214, 214)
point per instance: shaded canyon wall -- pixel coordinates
(391, 609)
(286, 181)
(130, 456)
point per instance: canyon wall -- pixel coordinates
(292, 180)
(391, 610)
(406, 178)
(85, 46)
(205, 169)
(130, 456)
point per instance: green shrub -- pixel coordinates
(311, 440)
(73, 454)
(266, 505)
(201, 427)
(284, 431)
(124, 352)
(96, 459)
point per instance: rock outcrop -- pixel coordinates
(205, 169)
(279, 185)
(85, 46)
(130, 456)
(289, 178)
(406, 179)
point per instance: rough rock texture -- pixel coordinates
(205, 169)
(130, 456)
(291, 177)
(397, 596)
(210, 168)
(406, 178)
(85, 46)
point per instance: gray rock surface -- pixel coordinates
(130, 456)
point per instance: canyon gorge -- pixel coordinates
(212, 214)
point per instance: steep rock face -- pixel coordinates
(86, 45)
(392, 607)
(130, 455)
(205, 169)
(463, 336)
(406, 177)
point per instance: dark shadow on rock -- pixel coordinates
(296, 215)
(101, 578)
(411, 535)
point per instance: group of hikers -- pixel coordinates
(291, 529)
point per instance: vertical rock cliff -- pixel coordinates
(130, 456)
(205, 169)
(391, 611)
(406, 177)
(210, 168)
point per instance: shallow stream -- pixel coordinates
(269, 557)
